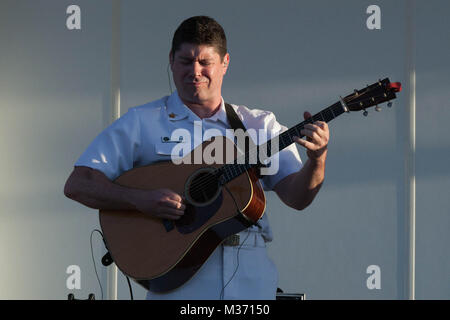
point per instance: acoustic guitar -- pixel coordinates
(221, 199)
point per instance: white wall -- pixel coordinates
(289, 57)
(54, 88)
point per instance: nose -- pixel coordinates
(196, 68)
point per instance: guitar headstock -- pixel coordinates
(372, 95)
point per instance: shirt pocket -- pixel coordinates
(170, 150)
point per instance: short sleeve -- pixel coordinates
(116, 148)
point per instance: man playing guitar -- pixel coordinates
(198, 60)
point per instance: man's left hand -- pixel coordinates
(317, 136)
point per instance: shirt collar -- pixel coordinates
(220, 115)
(177, 110)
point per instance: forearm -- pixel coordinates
(300, 189)
(308, 182)
(96, 191)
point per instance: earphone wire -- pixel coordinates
(93, 260)
(168, 77)
(95, 267)
(222, 292)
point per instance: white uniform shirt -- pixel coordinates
(142, 136)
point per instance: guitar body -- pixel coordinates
(162, 254)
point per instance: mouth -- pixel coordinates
(196, 83)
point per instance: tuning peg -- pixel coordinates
(389, 104)
(365, 113)
(378, 108)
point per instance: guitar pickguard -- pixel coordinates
(196, 216)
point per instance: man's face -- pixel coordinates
(198, 73)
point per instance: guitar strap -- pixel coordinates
(236, 123)
(233, 118)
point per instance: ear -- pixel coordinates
(171, 60)
(226, 63)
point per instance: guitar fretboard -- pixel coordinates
(243, 163)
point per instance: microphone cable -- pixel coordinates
(239, 249)
(168, 77)
(95, 267)
(93, 260)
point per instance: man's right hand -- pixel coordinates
(93, 189)
(160, 203)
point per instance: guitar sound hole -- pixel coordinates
(203, 188)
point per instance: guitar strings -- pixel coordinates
(198, 186)
(253, 151)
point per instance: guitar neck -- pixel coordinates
(283, 140)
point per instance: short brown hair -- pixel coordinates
(200, 30)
